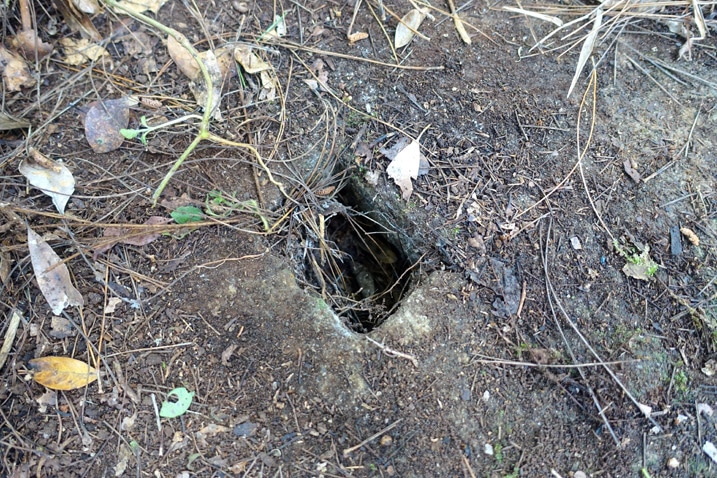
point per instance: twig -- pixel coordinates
(468, 466)
(348, 451)
(394, 353)
(552, 296)
(581, 155)
(497, 361)
(156, 414)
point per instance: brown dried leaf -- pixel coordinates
(27, 42)
(248, 60)
(227, 64)
(77, 20)
(52, 275)
(103, 123)
(91, 7)
(199, 87)
(268, 86)
(183, 58)
(124, 235)
(52, 178)
(631, 171)
(409, 23)
(62, 373)
(78, 52)
(14, 70)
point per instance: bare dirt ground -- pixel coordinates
(482, 327)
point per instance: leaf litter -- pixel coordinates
(122, 235)
(104, 121)
(52, 275)
(408, 27)
(79, 52)
(407, 163)
(50, 177)
(62, 373)
(14, 70)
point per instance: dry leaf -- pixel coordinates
(409, 23)
(89, 7)
(29, 43)
(112, 304)
(631, 171)
(14, 70)
(52, 275)
(268, 86)
(248, 60)
(5, 262)
(208, 431)
(183, 58)
(124, 235)
(49, 398)
(51, 177)
(404, 168)
(62, 373)
(140, 6)
(61, 328)
(227, 64)
(199, 87)
(78, 52)
(357, 36)
(123, 456)
(77, 20)
(103, 123)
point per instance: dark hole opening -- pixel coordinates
(361, 270)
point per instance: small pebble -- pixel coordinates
(386, 440)
(488, 449)
(673, 463)
(580, 474)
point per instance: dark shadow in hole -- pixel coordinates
(361, 271)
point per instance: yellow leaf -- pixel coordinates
(62, 373)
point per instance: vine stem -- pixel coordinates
(203, 132)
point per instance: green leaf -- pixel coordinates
(185, 214)
(129, 133)
(175, 409)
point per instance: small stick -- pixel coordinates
(348, 451)
(522, 300)
(468, 466)
(394, 353)
(159, 422)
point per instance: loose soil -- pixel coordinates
(510, 255)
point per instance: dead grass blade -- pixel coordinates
(587, 48)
